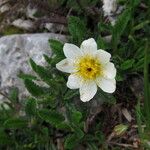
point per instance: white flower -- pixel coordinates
(88, 68)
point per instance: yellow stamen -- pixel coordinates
(89, 67)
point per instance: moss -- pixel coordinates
(9, 30)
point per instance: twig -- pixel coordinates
(53, 19)
(123, 145)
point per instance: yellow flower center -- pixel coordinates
(89, 67)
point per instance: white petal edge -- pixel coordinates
(107, 85)
(87, 90)
(66, 66)
(89, 46)
(71, 51)
(74, 81)
(109, 71)
(103, 56)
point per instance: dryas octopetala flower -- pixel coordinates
(88, 68)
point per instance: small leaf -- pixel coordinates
(127, 64)
(120, 26)
(15, 123)
(51, 117)
(71, 141)
(77, 29)
(14, 95)
(74, 139)
(70, 94)
(33, 64)
(120, 129)
(57, 47)
(34, 89)
(4, 138)
(31, 107)
(76, 116)
(48, 59)
(26, 76)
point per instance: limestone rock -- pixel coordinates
(15, 51)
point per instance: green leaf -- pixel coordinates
(101, 43)
(71, 141)
(42, 72)
(14, 95)
(127, 64)
(77, 29)
(51, 117)
(64, 126)
(74, 139)
(4, 139)
(57, 47)
(15, 123)
(120, 27)
(48, 59)
(76, 116)
(26, 76)
(31, 107)
(34, 89)
(146, 84)
(70, 94)
(33, 64)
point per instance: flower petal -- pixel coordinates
(87, 90)
(103, 56)
(74, 81)
(109, 71)
(89, 46)
(71, 51)
(66, 66)
(107, 85)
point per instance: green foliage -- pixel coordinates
(120, 27)
(51, 116)
(15, 123)
(146, 85)
(57, 47)
(127, 64)
(13, 95)
(54, 113)
(31, 107)
(34, 89)
(77, 29)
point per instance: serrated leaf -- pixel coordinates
(26, 76)
(14, 95)
(101, 43)
(4, 139)
(77, 29)
(51, 117)
(127, 64)
(120, 26)
(15, 123)
(71, 141)
(48, 59)
(31, 107)
(74, 139)
(44, 74)
(41, 71)
(63, 126)
(57, 47)
(70, 94)
(76, 116)
(33, 64)
(34, 89)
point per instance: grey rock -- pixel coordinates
(23, 24)
(15, 51)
